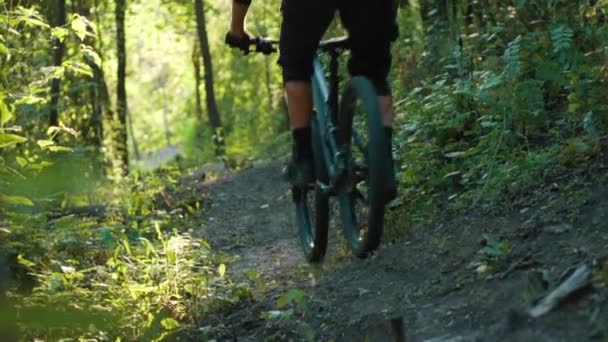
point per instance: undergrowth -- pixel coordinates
(476, 130)
(136, 273)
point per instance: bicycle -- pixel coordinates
(349, 159)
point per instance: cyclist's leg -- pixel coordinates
(372, 28)
(304, 23)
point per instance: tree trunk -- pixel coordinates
(196, 62)
(57, 60)
(132, 133)
(92, 131)
(166, 118)
(99, 75)
(121, 91)
(212, 110)
(99, 103)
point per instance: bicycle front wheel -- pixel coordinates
(361, 195)
(312, 206)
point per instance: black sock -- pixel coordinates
(302, 143)
(388, 132)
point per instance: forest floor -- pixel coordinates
(428, 278)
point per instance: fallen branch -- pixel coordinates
(524, 262)
(578, 280)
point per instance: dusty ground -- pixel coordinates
(425, 279)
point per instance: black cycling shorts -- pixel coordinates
(371, 26)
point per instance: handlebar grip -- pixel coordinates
(264, 45)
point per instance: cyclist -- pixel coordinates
(371, 26)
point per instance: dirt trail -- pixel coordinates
(250, 220)
(425, 278)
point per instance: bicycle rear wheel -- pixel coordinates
(361, 195)
(312, 206)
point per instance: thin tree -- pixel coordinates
(196, 63)
(212, 110)
(100, 102)
(59, 20)
(92, 131)
(121, 91)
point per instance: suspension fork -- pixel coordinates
(334, 108)
(327, 99)
(334, 86)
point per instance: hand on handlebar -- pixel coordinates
(244, 43)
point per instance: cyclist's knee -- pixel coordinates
(296, 72)
(375, 67)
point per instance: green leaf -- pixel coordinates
(78, 68)
(29, 99)
(50, 145)
(171, 257)
(90, 55)
(21, 161)
(4, 50)
(15, 200)
(107, 237)
(456, 154)
(491, 82)
(15, 32)
(45, 143)
(53, 130)
(589, 123)
(23, 261)
(6, 114)
(221, 269)
(60, 149)
(169, 323)
(292, 296)
(52, 72)
(41, 165)
(7, 139)
(60, 33)
(32, 21)
(79, 26)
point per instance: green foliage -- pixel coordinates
(292, 306)
(137, 274)
(295, 298)
(492, 257)
(517, 98)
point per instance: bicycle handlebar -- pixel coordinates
(264, 45)
(268, 45)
